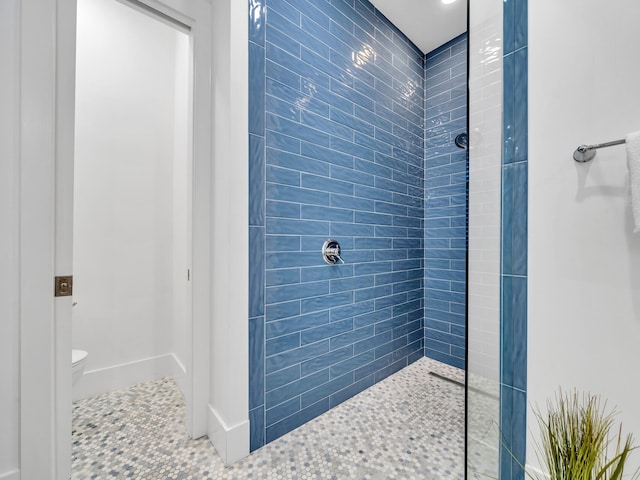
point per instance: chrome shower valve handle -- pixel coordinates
(331, 252)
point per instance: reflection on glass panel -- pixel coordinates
(485, 128)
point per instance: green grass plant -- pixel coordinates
(577, 441)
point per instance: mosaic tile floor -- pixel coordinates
(409, 426)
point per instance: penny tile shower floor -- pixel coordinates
(409, 426)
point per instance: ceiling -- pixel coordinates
(428, 23)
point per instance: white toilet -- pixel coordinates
(78, 360)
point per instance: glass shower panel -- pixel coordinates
(485, 148)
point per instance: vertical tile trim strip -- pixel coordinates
(257, 244)
(513, 321)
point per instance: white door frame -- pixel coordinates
(47, 80)
(36, 231)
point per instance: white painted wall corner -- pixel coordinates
(117, 377)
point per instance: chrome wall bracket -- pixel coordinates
(462, 140)
(331, 252)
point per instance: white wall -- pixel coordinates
(9, 238)
(181, 185)
(485, 148)
(130, 232)
(584, 260)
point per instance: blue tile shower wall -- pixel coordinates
(337, 150)
(513, 324)
(446, 202)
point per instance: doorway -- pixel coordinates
(132, 190)
(219, 296)
(139, 309)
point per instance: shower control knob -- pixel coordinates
(331, 252)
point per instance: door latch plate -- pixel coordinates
(64, 286)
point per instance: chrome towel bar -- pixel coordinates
(584, 153)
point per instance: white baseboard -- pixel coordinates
(231, 442)
(12, 475)
(117, 377)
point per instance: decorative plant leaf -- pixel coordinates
(575, 440)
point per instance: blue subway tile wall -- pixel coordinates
(337, 151)
(513, 322)
(445, 202)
